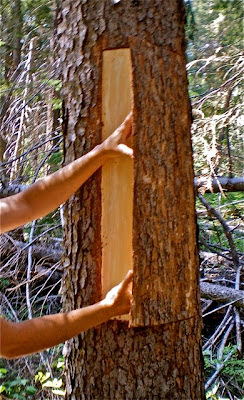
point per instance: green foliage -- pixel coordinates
(231, 208)
(59, 363)
(57, 104)
(55, 160)
(4, 283)
(15, 387)
(214, 34)
(56, 83)
(47, 222)
(55, 384)
(233, 370)
(37, 16)
(3, 371)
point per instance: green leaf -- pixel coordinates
(30, 390)
(56, 83)
(57, 104)
(19, 396)
(18, 382)
(41, 377)
(55, 383)
(60, 364)
(59, 392)
(3, 371)
(55, 158)
(3, 389)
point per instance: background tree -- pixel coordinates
(215, 72)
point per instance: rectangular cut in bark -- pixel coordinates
(117, 174)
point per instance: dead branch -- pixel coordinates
(237, 313)
(226, 228)
(210, 185)
(49, 253)
(218, 332)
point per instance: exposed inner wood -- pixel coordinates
(117, 175)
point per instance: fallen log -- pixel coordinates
(47, 252)
(210, 185)
(222, 294)
(213, 185)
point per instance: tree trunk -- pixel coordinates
(157, 356)
(17, 32)
(53, 114)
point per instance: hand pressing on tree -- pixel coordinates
(48, 193)
(118, 299)
(38, 334)
(115, 144)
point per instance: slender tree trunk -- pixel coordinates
(159, 355)
(28, 85)
(225, 134)
(53, 114)
(11, 34)
(17, 32)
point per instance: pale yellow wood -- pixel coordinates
(117, 176)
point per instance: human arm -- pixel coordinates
(48, 193)
(20, 339)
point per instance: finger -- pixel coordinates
(126, 126)
(126, 150)
(127, 280)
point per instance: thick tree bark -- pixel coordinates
(160, 359)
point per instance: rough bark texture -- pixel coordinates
(114, 361)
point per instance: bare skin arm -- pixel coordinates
(20, 339)
(48, 193)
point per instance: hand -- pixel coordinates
(115, 145)
(119, 298)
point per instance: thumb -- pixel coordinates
(125, 150)
(127, 280)
(126, 127)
